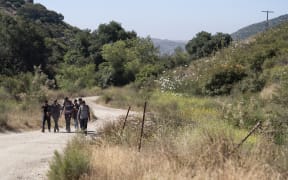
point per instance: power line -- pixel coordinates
(267, 19)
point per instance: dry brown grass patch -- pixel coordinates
(200, 154)
(112, 162)
(268, 92)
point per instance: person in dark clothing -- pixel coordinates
(55, 112)
(84, 116)
(75, 112)
(46, 109)
(68, 111)
(80, 100)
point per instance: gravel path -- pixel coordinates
(27, 155)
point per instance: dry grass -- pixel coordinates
(268, 92)
(24, 116)
(119, 162)
(189, 153)
(30, 118)
(112, 162)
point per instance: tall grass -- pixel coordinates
(189, 155)
(185, 138)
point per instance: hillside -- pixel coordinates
(240, 68)
(253, 29)
(168, 46)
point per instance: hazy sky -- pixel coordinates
(167, 19)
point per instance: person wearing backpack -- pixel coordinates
(68, 108)
(84, 116)
(55, 112)
(46, 109)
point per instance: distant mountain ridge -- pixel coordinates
(254, 29)
(168, 46)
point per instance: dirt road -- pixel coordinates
(27, 155)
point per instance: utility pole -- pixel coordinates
(267, 19)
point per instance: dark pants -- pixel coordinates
(68, 122)
(56, 127)
(48, 119)
(83, 124)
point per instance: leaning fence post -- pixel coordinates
(142, 127)
(124, 124)
(248, 135)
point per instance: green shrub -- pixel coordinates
(222, 81)
(73, 164)
(252, 84)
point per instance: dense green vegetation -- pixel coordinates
(74, 59)
(40, 13)
(13, 4)
(205, 44)
(34, 36)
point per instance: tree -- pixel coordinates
(204, 44)
(221, 40)
(112, 32)
(21, 47)
(105, 34)
(198, 46)
(73, 78)
(124, 60)
(79, 52)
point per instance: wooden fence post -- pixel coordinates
(142, 128)
(248, 135)
(124, 124)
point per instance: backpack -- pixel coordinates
(68, 107)
(83, 112)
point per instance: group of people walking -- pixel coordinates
(78, 111)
